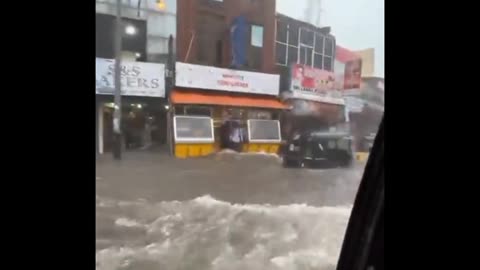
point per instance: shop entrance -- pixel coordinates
(143, 126)
(242, 122)
(232, 127)
(232, 135)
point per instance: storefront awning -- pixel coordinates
(190, 97)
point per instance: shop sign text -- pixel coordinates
(137, 78)
(222, 79)
(314, 84)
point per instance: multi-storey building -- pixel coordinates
(363, 94)
(225, 61)
(305, 59)
(205, 32)
(146, 28)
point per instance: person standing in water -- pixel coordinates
(236, 136)
(147, 135)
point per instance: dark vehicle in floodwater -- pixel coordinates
(319, 148)
(367, 142)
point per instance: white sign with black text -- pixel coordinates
(137, 78)
(222, 79)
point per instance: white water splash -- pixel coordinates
(205, 233)
(125, 222)
(240, 155)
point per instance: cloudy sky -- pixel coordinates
(357, 24)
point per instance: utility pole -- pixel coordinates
(169, 84)
(117, 137)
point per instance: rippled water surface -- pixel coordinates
(234, 213)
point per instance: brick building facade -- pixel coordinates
(203, 32)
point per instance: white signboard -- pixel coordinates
(222, 79)
(354, 104)
(137, 78)
(314, 97)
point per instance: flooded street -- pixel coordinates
(231, 211)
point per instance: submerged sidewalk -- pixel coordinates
(236, 178)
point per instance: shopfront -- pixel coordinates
(315, 102)
(144, 107)
(215, 109)
(366, 107)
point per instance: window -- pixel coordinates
(329, 47)
(255, 50)
(281, 32)
(306, 37)
(302, 56)
(256, 36)
(305, 55)
(304, 46)
(327, 63)
(317, 61)
(319, 41)
(263, 130)
(293, 35)
(281, 44)
(281, 53)
(343, 144)
(193, 129)
(292, 55)
(309, 56)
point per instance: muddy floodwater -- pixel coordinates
(229, 211)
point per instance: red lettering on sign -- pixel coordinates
(230, 76)
(233, 84)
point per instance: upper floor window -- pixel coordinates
(294, 45)
(256, 47)
(256, 36)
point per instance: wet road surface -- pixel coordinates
(230, 211)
